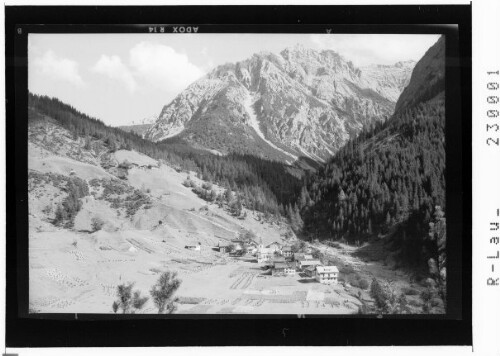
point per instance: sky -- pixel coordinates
(123, 78)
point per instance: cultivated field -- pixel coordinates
(77, 269)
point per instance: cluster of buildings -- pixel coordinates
(284, 262)
(237, 247)
(280, 259)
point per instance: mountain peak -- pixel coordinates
(299, 103)
(406, 63)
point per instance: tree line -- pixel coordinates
(388, 179)
(263, 185)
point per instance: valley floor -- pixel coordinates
(81, 275)
(78, 271)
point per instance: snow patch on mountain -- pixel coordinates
(254, 123)
(302, 102)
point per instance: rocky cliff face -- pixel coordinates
(299, 103)
(427, 78)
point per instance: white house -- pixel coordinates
(264, 255)
(327, 274)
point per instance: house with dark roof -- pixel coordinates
(238, 244)
(302, 256)
(278, 259)
(194, 247)
(283, 269)
(301, 264)
(221, 248)
(310, 271)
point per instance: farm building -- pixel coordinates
(278, 259)
(327, 274)
(238, 244)
(302, 256)
(301, 264)
(283, 269)
(310, 271)
(251, 242)
(287, 252)
(237, 253)
(273, 260)
(193, 247)
(221, 248)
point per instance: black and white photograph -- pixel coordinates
(237, 173)
(229, 177)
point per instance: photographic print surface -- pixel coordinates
(237, 173)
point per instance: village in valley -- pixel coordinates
(280, 260)
(226, 264)
(247, 198)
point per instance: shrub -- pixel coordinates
(299, 246)
(386, 299)
(96, 224)
(426, 295)
(435, 302)
(377, 293)
(364, 284)
(125, 164)
(347, 269)
(249, 235)
(401, 305)
(409, 291)
(337, 245)
(415, 303)
(127, 301)
(207, 185)
(188, 182)
(362, 309)
(163, 290)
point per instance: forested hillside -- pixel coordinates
(390, 179)
(263, 185)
